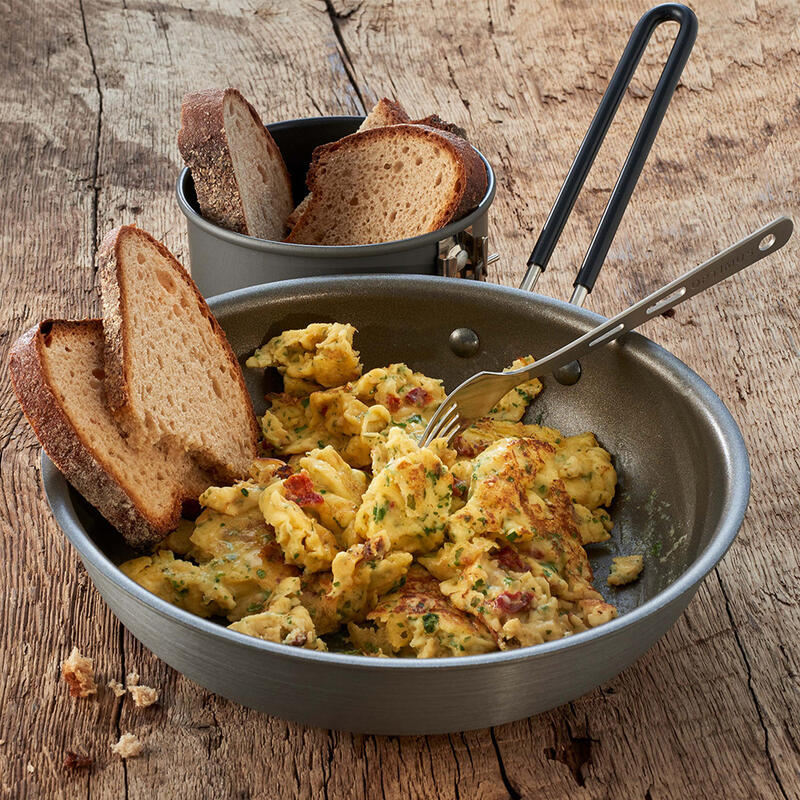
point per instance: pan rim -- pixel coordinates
(728, 433)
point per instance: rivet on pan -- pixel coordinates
(464, 342)
(569, 374)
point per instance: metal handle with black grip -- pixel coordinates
(632, 168)
(748, 251)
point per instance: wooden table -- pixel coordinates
(89, 112)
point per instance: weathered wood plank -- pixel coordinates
(525, 85)
(712, 709)
(49, 120)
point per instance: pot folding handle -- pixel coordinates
(637, 155)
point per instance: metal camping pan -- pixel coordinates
(683, 489)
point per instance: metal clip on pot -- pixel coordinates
(465, 255)
(631, 169)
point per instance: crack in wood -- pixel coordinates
(327, 769)
(759, 711)
(336, 18)
(118, 709)
(513, 793)
(98, 132)
(457, 777)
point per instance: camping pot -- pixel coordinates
(222, 260)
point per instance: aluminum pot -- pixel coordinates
(222, 260)
(683, 489)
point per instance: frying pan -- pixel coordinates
(683, 482)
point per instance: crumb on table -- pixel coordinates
(116, 687)
(625, 569)
(132, 678)
(143, 696)
(128, 746)
(78, 671)
(75, 761)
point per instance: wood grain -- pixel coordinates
(89, 114)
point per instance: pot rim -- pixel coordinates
(330, 251)
(655, 356)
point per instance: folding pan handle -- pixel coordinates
(631, 169)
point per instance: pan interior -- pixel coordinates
(646, 409)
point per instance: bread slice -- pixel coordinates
(57, 373)
(384, 112)
(170, 374)
(298, 212)
(239, 174)
(389, 183)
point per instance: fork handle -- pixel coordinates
(749, 250)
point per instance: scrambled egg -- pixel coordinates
(347, 528)
(625, 569)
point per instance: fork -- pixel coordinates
(477, 395)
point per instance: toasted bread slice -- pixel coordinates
(57, 373)
(239, 174)
(170, 374)
(389, 183)
(384, 112)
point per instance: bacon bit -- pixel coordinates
(392, 402)
(532, 551)
(283, 472)
(271, 551)
(417, 397)
(296, 638)
(75, 761)
(463, 448)
(459, 488)
(299, 489)
(508, 558)
(374, 548)
(512, 602)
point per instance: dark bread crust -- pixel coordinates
(435, 121)
(80, 463)
(117, 365)
(472, 182)
(203, 144)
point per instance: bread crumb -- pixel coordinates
(132, 679)
(143, 696)
(128, 746)
(78, 672)
(117, 688)
(30, 768)
(73, 761)
(2, 742)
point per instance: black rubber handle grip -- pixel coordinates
(632, 168)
